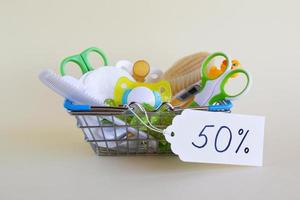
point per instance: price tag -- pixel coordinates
(214, 137)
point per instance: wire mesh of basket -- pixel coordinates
(129, 130)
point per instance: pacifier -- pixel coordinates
(154, 75)
(154, 94)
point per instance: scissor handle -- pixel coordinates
(223, 94)
(74, 59)
(204, 66)
(85, 53)
(82, 60)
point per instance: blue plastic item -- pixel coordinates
(73, 107)
(222, 107)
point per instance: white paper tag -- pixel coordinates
(214, 137)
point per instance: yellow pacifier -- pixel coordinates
(154, 94)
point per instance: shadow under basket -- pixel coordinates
(124, 130)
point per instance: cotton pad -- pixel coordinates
(101, 82)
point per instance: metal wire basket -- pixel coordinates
(121, 130)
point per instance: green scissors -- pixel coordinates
(82, 60)
(215, 89)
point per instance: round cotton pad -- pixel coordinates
(101, 82)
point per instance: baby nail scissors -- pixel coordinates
(217, 88)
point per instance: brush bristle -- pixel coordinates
(67, 89)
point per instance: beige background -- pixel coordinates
(42, 153)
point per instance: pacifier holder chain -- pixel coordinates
(142, 109)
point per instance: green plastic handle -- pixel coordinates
(75, 59)
(82, 60)
(223, 95)
(85, 53)
(205, 63)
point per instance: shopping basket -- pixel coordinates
(128, 131)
